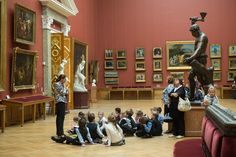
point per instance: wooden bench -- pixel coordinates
(227, 92)
(32, 101)
(3, 117)
(122, 92)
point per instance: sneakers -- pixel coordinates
(179, 137)
(58, 139)
(171, 136)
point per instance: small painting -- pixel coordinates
(121, 64)
(179, 75)
(232, 63)
(217, 75)
(216, 63)
(109, 64)
(139, 53)
(111, 81)
(231, 75)
(140, 77)
(140, 66)
(110, 74)
(24, 25)
(157, 77)
(215, 51)
(157, 52)
(232, 50)
(121, 54)
(108, 54)
(157, 65)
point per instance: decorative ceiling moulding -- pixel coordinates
(65, 7)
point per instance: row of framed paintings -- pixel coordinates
(139, 65)
(216, 63)
(139, 53)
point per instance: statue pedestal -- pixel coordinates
(81, 100)
(94, 94)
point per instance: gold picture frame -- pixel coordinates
(24, 25)
(140, 77)
(139, 53)
(121, 64)
(3, 41)
(109, 64)
(216, 63)
(177, 51)
(215, 50)
(157, 52)
(140, 66)
(232, 63)
(121, 54)
(232, 50)
(157, 77)
(230, 75)
(109, 54)
(111, 81)
(217, 76)
(179, 75)
(157, 65)
(23, 69)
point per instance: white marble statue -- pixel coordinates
(79, 84)
(61, 67)
(94, 83)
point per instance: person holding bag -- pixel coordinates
(178, 116)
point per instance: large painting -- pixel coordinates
(80, 53)
(177, 51)
(3, 30)
(24, 25)
(23, 69)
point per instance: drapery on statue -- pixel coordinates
(79, 84)
(198, 60)
(61, 67)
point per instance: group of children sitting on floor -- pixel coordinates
(111, 131)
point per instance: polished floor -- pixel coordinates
(33, 140)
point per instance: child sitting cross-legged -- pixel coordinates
(149, 128)
(127, 123)
(156, 114)
(74, 125)
(82, 133)
(95, 132)
(102, 121)
(114, 133)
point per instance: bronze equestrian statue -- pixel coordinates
(198, 60)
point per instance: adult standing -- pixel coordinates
(165, 100)
(61, 93)
(178, 116)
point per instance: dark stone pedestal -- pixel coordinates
(81, 100)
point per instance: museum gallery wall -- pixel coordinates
(127, 25)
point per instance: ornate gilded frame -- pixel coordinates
(215, 50)
(25, 36)
(3, 30)
(23, 68)
(138, 79)
(189, 48)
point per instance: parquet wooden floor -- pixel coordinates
(33, 140)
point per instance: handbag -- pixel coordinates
(184, 105)
(167, 118)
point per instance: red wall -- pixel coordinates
(36, 47)
(127, 24)
(82, 29)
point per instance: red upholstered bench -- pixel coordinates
(218, 138)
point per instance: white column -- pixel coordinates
(65, 29)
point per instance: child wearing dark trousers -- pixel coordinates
(149, 128)
(94, 129)
(83, 135)
(127, 124)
